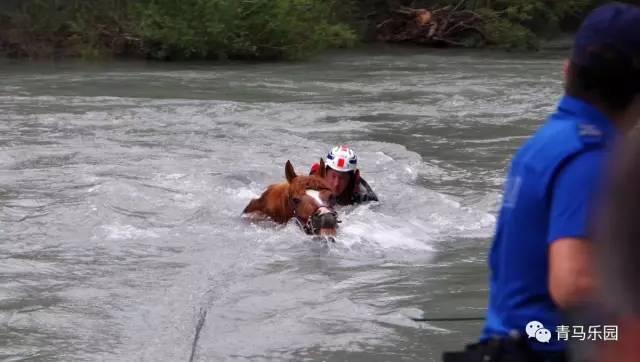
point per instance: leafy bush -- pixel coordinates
(262, 29)
(248, 29)
(173, 29)
(51, 28)
(507, 34)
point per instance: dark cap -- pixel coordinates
(609, 34)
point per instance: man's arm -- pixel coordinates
(368, 194)
(571, 275)
(571, 259)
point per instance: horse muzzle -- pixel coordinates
(324, 222)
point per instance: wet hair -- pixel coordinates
(618, 231)
(609, 79)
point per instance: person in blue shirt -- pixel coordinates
(541, 258)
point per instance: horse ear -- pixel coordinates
(322, 172)
(289, 172)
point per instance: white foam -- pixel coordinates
(246, 193)
(124, 232)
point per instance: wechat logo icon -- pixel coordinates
(536, 330)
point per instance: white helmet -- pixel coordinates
(342, 159)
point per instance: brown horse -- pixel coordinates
(307, 198)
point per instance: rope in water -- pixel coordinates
(201, 319)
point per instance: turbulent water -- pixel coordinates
(121, 187)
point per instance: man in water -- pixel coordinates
(344, 177)
(541, 258)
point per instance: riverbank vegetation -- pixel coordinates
(270, 29)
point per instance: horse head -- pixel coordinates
(312, 201)
(308, 199)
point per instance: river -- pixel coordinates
(122, 183)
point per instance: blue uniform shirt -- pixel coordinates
(552, 183)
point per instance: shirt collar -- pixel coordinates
(586, 113)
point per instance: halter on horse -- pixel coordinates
(322, 219)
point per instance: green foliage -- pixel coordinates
(509, 35)
(542, 17)
(174, 29)
(262, 29)
(51, 28)
(250, 29)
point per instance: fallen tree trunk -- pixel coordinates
(442, 27)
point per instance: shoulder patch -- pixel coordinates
(590, 133)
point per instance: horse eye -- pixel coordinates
(296, 201)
